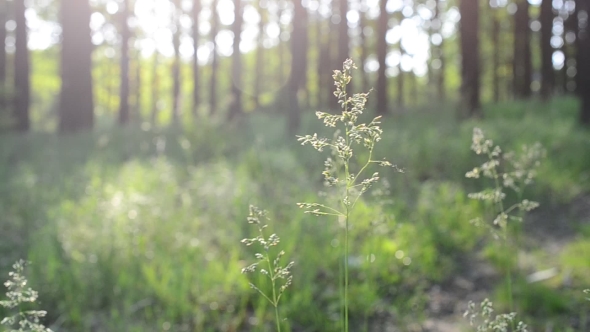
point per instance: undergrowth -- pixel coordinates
(134, 230)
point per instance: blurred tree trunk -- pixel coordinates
(583, 6)
(298, 54)
(281, 45)
(382, 25)
(137, 80)
(22, 85)
(176, 64)
(196, 75)
(441, 57)
(215, 60)
(470, 75)
(413, 87)
(155, 89)
(570, 27)
(76, 100)
(496, 55)
(3, 19)
(343, 39)
(235, 108)
(124, 86)
(332, 54)
(259, 75)
(321, 62)
(522, 66)
(363, 23)
(547, 73)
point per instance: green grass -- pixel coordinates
(139, 230)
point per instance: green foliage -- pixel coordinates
(135, 229)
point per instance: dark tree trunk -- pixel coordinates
(583, 6)
(137, 110)
(215, 61)
(176, 64)
(496, 55)
(522, 66)
(363, 22)
(381, 55)
(321, 63)
(547, 73)
(281, 46)
(3, 18)
(124, 86)
(259, 75)
(76, 100)
(441, 57)
(470, 77)
(343, 39)
(235, 108)
(196, 75)
(298, 54)
(21, 70)
(332, 55)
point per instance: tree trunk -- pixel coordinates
(441, 57)
(321, 62)
(137, 110)
(76, 100)
(381, 55)
(298, 54)
(124, 86)
(3, 18)
(281, 45)
(364, 51)
(583, 64)
(196, 75)
(176, 64)
(235, 108)
(343, 39)
(522, 66)
(470, 78)
(496, 55)
(215, 60)
(547, 73)
(21, 70)
(259, 75)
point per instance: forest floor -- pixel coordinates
(548, 229)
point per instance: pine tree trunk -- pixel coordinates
(215, 61)
(583, 64)
(522, 66)
(21, 70)
(496, 55)
(441, 55)
(259, 75)
(470, 75)
(235, 108)
(76, 99)
(381, 55)
(196, 75)
(176, 88)
(547, 73)
(298, 54)
(124, 86)
(364, 51)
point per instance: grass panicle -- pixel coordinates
(484, 320)
(347, 175)
(19, 299)
(268, 263)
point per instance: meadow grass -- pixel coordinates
(139, 229)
